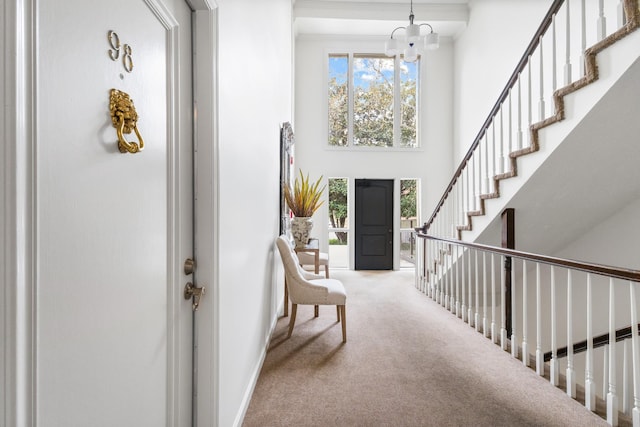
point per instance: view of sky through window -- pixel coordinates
(377, 101)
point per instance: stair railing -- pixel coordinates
(555, 63)
(553, 302)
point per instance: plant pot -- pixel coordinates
(300, 229)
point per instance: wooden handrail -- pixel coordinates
(603, 270)
(533, 44)
(599, 341)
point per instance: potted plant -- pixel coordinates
(303, 200)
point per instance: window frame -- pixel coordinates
(397, 105)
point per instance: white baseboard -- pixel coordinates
(256, 371)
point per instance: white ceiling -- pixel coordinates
(378, 17)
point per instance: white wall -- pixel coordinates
(4, 226)
(485, 55)
(615, 241)
(255, 84)
(432, 164)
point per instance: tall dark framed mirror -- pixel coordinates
(286, 174)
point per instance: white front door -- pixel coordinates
(112, 331)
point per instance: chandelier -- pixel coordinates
(413, 42)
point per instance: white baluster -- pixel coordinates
(503, 309)
(449, 272)
(470, 305)
(554, 55)
(510, 131)
(449, 259)
(463, 199)
(635, 354)
(514, 335)
(525, 306)
(433, 284)
(493, 149)
(443, 273)
(477, 301)
(458, 281)
(496, 157)
(539, 353)
(445, 277)
(571, 377)
(432, 268)
(529, 101)
(501, 159)
(612, 396)
(605, 374)
(541, 102)
(485, 327)
(427, 267)
(602, 21)
(626, 379)
(454, 213)
(486, 163)
(553, 364)
(452, 281)
(583, 38)
(463, 308)
(494, 336)
(478, 172)
(433, 265)
(567, 65)
(416, 267)
(453, 195)
(589, 384)
(469, 194)
(519, 135)
(473, 182)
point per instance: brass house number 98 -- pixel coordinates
(116, 50)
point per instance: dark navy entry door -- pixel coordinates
(374, 224)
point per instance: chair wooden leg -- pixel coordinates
(338, 310)
(292, 321)
(316, 311)
(344, 322)
(286, 298)
(326, 271)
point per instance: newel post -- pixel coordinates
(508, 242)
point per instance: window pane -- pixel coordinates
(408, 96)
(407, 249)
(338, 100)
(408, 220)
(338, 207)
(338, 252)
(373, 101)
(338, 222)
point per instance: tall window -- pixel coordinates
(373, 101)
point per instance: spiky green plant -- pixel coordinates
(304, 198)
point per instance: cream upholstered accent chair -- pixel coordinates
(307, 258)
(309, 288)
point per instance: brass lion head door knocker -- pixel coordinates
(125, 118)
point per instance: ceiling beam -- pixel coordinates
(380, 11)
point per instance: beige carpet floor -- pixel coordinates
(407, 362)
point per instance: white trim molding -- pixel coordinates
(17, 298)
(206, 210)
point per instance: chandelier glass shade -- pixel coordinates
(413, 42)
